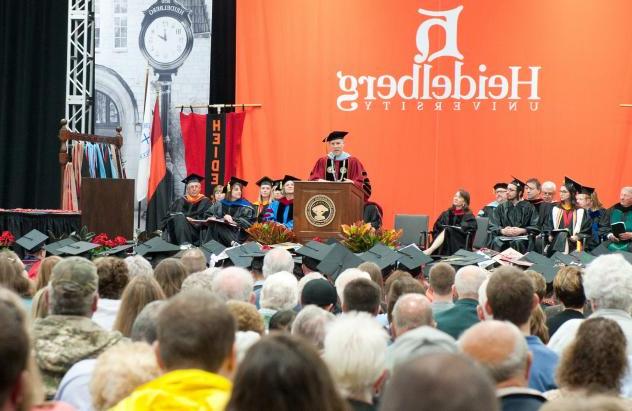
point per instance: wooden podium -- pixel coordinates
(320, 207)
(107, 206)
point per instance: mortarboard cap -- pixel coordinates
(412, 257)
(156, 245)
(319, 292)
(381, 255)
(572, 185)
(586, 190)
(265, 180)
(243, 255)
(519, 184)
(584, 257)
(566, 259)
(315, 250)
(338, 259)
(287, 178)
(78, 248)
(53, 248)
(536, 258)
(235, 180)
(193, 178)
(335, 135)
(463, 258)
(119, 251)
(212, 248)
(548, 270)
(32, 241)
(278, 184)
(500, 185)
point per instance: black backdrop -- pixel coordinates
(33, 86)
(32, 92)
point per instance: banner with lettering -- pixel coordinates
(439, 95)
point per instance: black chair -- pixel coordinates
(415, 229)
(480, 236)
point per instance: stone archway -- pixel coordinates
(110, 83)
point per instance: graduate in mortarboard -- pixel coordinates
(282, 210)
(236, 212)
(588, 199)
(568, 217)
(453, 227)
(514, 222)
(264, 198)
(191, 206)
(341, 166)
(500, 193)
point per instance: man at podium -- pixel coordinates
(340, 166)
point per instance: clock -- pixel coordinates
(166, 36)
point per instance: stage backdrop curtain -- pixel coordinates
(32, 93)
(292, 57)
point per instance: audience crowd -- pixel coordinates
(118, 334)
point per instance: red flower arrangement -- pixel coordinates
(106, 243)
(6, 239)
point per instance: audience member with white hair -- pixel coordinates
(502, 350)
(202, 280)
(463, 315)
(608, 287)
(549, 190)
(311, 323)
(138, 265)
(193, 260)
(345, 278)
(411, 311)
(234, 283)
(355, 351)
(275, 261)
(280, 292)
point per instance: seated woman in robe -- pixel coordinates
(218, 193)
(282, 210)
(568, 223)
(229, 218)
(451, 229)
(177, 223)
(588, 200)
(264, 199)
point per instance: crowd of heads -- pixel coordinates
(443, 340)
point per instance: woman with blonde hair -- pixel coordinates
(44, 271)
(170, 273)
(139, 292)
(264, 198)
(14, 277)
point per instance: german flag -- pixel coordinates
(157, 190)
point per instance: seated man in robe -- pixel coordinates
(514, 222)
(533, 194)
(500, 191)
(619, 238)
(193, 205)
(340, 166)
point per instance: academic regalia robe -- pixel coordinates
(544, 211)
(615, 214)
(261, 210)
(175, 223)
(575, 220)
(522, 215)
(595, 218)
(328, 168)
(457, 224)
(242, 213)
(282, 212)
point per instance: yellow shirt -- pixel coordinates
(180, 390)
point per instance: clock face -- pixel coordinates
(165, 40)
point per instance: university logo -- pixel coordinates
(320, 210)
(463, 88)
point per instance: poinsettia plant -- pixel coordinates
(360, 236)
(270, 232)
(107, 243)
(6, 239)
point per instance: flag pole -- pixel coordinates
(144, 108)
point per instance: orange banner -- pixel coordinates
(439, 95)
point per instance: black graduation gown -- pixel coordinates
(242, 213)
(175, 223)
(454, 238)
(544, 211)
(522, 215)
(560, 239)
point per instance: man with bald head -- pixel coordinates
(501, 349)
(463, 315)
(411, 311)
(621, 213)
